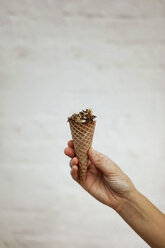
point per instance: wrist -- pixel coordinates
(127, 201)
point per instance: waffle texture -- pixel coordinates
(82, 135)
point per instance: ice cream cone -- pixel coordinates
(82, 135)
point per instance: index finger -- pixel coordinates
(70, 143)
(69, 152)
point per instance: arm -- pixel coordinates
(110, 185)
(144, 218)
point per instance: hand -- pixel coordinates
(105, 180)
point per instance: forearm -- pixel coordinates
(144, 218)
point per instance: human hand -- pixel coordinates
(105, 180)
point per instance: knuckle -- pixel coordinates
(100, 158)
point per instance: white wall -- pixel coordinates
(56, 58)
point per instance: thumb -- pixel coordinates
(101, 161)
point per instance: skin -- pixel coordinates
(106, 182)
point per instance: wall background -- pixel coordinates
(58, 57)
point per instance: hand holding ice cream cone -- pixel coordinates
(97, 173)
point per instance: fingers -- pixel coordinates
(74, 168)
(73, 161)
(74, 172)
(69, 152)
(70, 143)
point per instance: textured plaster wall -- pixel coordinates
(57, 57)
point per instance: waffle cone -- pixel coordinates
(82, 135)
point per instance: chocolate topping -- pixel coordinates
(83, 116)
